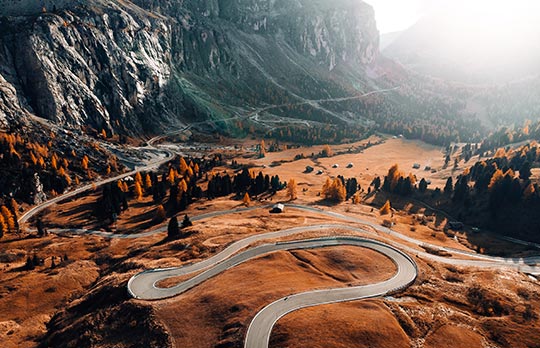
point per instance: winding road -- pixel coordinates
(144, 285)
(146, 167)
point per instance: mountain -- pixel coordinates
(465, 48)
(388, 38)
(146, 65)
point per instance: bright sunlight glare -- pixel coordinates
(498, 15)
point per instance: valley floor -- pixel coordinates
(85, 289)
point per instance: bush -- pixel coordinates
(485, 303)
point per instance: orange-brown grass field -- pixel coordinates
(82, 300)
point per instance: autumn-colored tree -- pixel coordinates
(336, 191)
(138, 191)
(386, 208)
(171, 177)
(54, 161)
(104, 133)
(8, 218)
(496, 178)
(84, 163)
(500, 153)
(3, 226)
(147, 182)
(33, 158)
(393, 176)
(120, 185)
(246, 200)
(326, 187)
(412, 178)
(529, 191)
(292, 189)
(77, 181)
(160, 214)
(356, 199)
(138, 178)
(182, 186)
(189, 172)
(327, 151)
(108, 170)
(183, 166)
(14, 206)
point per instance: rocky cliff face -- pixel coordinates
(136, 66)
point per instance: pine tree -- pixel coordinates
(449, 187)
(386, 208)
(186, 222)
(262, 149)
(173, 229)
(525, 171)
(40, 228)
(422, 186)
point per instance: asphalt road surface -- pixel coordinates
(146, 167)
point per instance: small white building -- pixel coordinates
(278, 208)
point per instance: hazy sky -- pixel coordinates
(396, 15)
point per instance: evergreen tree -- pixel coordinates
(186, 222)
(422, 186)
(40, 228)
(173, 229)
(525, 171)
(449, 187)
(376, 183)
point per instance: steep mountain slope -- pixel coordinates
(125, 66)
